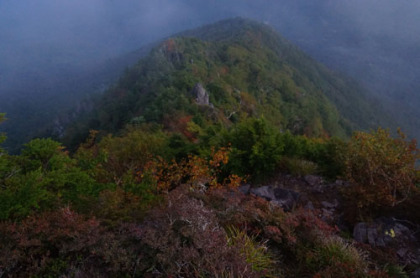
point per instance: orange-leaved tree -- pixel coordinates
(195, 171)
(382, 169)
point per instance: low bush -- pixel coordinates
(256, 148)
(382, 170)
(332, 257)
(64, 243)
(299, 167)
(256, 254)
(184, 238)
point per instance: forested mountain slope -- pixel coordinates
(247, 69)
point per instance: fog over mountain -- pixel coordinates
(47, 47)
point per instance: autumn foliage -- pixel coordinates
(130, 205)
(195, 171)
(64, 242)
(382, 169)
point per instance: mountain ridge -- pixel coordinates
(240, 54)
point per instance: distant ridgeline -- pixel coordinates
(227, 72)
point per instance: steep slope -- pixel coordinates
(33, 100)
(379, 49)
(353, 101)
(247, 70)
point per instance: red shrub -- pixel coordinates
(65, 243)
(184, 239)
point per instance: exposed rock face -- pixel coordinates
(329, 205)
(369, 233)
(387, 232)
(200, 94)
(287, 199)
(398, 237)
(244, 188)
(313, 180)
(265, 192)
(316, 183)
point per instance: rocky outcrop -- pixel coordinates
(265, 192)
(285, 198)
(398, 238)
(244, 188)
(200, 94)
(313, 180)
(388, 232)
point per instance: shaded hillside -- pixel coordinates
(248, 70)
(353, 101)
(33, 100)
(372, 47)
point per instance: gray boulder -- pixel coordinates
(374, 234)
(265, 192)
(329, 205)
(313, 180)
(387, 232)
(244, 188)
(309, 206)
(285, 198)
(200, 94)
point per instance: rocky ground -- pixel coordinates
(393, 235)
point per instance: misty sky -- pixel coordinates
(105, 27)
(94, 26)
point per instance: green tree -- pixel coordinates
(42, 177)
(43, 153)
(256, 148)
(23, 194)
